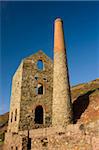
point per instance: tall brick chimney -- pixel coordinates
(62, 108)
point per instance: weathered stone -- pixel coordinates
(24, 131)
(62, 109)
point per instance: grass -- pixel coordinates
(1, 142)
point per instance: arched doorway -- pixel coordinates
(39, 115)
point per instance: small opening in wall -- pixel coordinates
(44, 142)
(29, 144)
(11, 147)
(15, 114)
(11, 116)
(16, 148)
(39, 89)
(39, 115)
(44, 78)
(40, 65)
(36, 77)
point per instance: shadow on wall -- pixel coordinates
(80, 105)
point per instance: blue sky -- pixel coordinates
(27, 27)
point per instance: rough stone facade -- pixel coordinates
(73, 137)
(15, 100)
(31, 100)
(15, 141)
(25, 99)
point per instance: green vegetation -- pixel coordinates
(4, 119)
(2, 135)
(82, 89)
(1, 142)
(3, 126)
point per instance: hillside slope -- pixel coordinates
(85, 98)
(3, 124)
(3, 127)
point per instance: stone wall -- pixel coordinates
(30, 99)
(73, 137)
(24, 97)
(15, 141)
(14, 115)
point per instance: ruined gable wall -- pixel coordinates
(29, 98)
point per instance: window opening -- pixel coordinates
(39, 89)
(15, 114)
(11, 116)
(40, 65)
(39, 115)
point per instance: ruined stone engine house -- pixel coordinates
(31, 100)
(40, 96)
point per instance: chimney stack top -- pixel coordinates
(58, 19)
